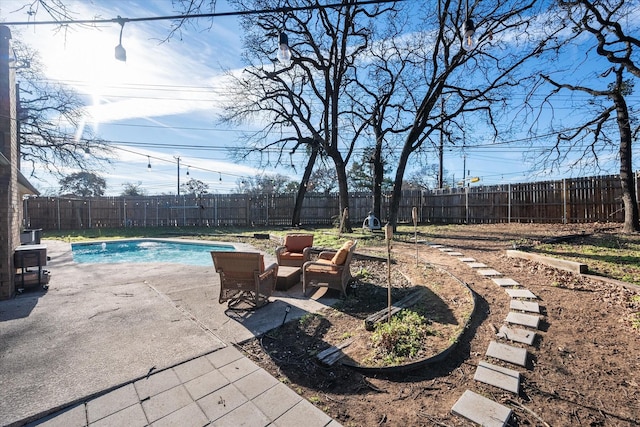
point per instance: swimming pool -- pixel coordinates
(146, 250)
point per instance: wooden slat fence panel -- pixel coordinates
(574, 200)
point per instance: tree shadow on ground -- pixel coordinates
(293, 348)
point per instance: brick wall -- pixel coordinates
(9, 195)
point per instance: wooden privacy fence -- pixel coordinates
(564, 201)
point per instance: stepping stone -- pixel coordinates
(523, 319)
(477, 265)
(489, 272)
(480, 410)
(437, 246)
(507, 353)
(467, 259)
(497, 376)
(521, 293)
(516, 335)
(447, 249)
(505, 281)
(455, 253)
(530, 306)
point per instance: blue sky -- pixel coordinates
(162, 103)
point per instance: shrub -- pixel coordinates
(403, 337)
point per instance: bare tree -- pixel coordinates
(383, 97)
(608, 91)
(474, 74)
(302, 101)
(53, 128)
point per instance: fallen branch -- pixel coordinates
(385, 313)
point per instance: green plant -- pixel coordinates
(401, 337)
(307, 318)
(315, 400)
(363, 274)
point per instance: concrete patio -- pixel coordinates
(104, 327)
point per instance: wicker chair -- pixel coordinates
(244, 278)
(331, 269)
(295, 251)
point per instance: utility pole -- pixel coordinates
(464, 168)
(178, 161)
(441, 150)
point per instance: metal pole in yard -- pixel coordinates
(414, 216)
(564, 201)
(509, 203)
(388, 234)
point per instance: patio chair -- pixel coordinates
(331, 269)
(296, 250)
(244, 278)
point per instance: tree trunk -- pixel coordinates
(629, 196)
(396, 196)
(343, 194)
(302, 189)
(378, 175)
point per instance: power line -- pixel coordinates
(278, 10)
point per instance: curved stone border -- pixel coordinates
(426, 361)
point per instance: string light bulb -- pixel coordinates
(468, 30)
(284, 53)
(121, 53)
(148, 164)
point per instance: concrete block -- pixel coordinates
(477, 265)
(516, 335)
(305, 414)
(277, 400)
(454, 253)
(497, 376)
(480, 410)
(530, 306)
(111, 403)
(561, 264)
(190, 415)
(467, 259)
(238, 369)
(523, 319)
(521, 293)
(163, 404)
(507, 353)
(256, 383)
(489, 272)
(505, 281)
(224, 356)
(241, 415)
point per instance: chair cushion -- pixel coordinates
(325, 268)
(297, 242)
(298, 256)
(341, 256)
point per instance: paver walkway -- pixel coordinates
(223, 388)
(471, 405)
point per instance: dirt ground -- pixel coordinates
(583, 368)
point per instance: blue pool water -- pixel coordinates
(146, 251)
